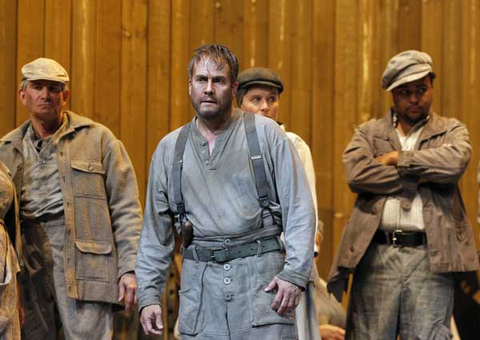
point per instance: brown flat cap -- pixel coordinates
(45, 69)
(406, 67)
(259, 76)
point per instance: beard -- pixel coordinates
(221, 108)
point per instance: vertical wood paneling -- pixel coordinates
(181, 53)
(255, 33)
(330, 55)
(323, 121)
(432, 43)
(133, 97)
(345, 102)
(202, 23)
(387, 22)
(82, 80)
(8, 83)
(470, 103)
(279, 56)
(30, 40)
(107, 76)
(159, 61)
(451, 81)
(301, 80)
(58, 28)
(229, 26)
(409, 19)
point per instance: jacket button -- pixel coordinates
(352, 249)
(228, 297)
(227, 280)
(19, 168)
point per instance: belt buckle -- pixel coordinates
(219, 255)
(394, 237)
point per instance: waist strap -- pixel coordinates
(400, 238)
(220, 255)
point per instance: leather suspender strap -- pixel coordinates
(255, 157)
(257, 160)
(177, 168)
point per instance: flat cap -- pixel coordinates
(406, 67)
(259, 76)
(45, 69)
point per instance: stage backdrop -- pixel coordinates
(128, 63)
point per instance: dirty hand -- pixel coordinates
(151, 320)
(390, 158)
(287, 297)
(127, 290)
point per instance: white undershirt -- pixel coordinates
(394, 216)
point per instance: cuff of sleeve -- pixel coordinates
(126, 268)
(294, 277)
(404, 158)
(142, 303)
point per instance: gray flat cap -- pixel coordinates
(406, 67)
(45, 69)
(259, 76)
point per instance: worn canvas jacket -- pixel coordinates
(433, 169)
(101, 206)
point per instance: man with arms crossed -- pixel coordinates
(235, 184)
(81, 216)
(408, 230)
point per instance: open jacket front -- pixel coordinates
(433, 169)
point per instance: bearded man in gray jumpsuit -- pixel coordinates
(236, 281)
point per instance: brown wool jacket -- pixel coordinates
(441, 156)
(102, 212)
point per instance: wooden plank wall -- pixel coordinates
(128, 64)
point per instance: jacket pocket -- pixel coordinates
(267, 266)
(92, 260)
(88, 179)
(463, 231)
(190, 320)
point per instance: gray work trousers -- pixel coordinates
(48, 309)
(227, 301)
(395, 293)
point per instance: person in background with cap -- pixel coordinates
(408, 230)
(259, 92)
(81, 217)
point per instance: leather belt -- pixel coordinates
(220, 255)
(400, 238)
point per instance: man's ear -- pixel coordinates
(66, 95)
(190, 87)
(21, 96)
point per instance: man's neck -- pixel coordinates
(212, 128)
(44, 129)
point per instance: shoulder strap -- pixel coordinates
(255, 156)
(257, 160)
(177, 168)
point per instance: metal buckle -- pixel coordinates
(394, 237)
(219, 255)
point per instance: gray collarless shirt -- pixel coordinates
(221, 199)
